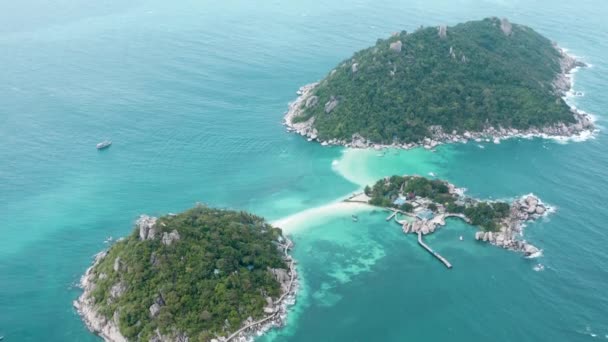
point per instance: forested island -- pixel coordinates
(428, 202)
(476, 80)
(201, 275)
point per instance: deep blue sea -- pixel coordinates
(192, 93)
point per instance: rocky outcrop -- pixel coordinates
(86, 307)
(173, 337)
(506, 27)
(526, 208)
(396, 46)
(312, 101)
(117, 265)
(117, 290)
(146, 224)
(563, 82)
(169, 238)
(331, 104)
(355, 67)
(442, 31)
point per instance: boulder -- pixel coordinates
(478, 235)
(281, 275)
(499, 239)
(396, 46)
(531, 209)
(540, 209)
(531, 200)
(529, 249)
(154, 310)
(354, 67)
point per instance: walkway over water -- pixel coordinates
(435, 254)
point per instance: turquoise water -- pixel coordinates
(192, 94)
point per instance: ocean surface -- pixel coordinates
(192, 94)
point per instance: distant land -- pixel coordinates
(476, 80)
(202, 275)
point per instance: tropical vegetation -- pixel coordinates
(475, 76)
(207, 283)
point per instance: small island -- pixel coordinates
(427, 203)
(480, 80)
(201, 275)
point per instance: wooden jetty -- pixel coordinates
(430, 250)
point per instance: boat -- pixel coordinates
(460, 237)
(104, 144)
(355, 218)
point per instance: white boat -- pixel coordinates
(104, 144)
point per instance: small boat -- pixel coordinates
(460, 237)
(104, 144)
(355, 218)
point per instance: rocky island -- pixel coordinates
(487, 79)
(426, 203)
(202, 275)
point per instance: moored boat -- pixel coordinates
(104, 144)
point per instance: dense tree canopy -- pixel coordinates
(484, 214)
(209, 281)
(474, 77)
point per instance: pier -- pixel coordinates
(461, 216)
(430, 250)
(391, 216)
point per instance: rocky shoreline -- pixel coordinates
(108, 330)
(563, 83)
(527, 208)
(276, 310)
(427, 215)
(85, 306)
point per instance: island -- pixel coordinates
(201, 275)
(479, 80)
(427, 203)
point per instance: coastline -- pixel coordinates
(85, 306)
(509, 233)
(109, 331)
(278, 318)
(582, 129)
